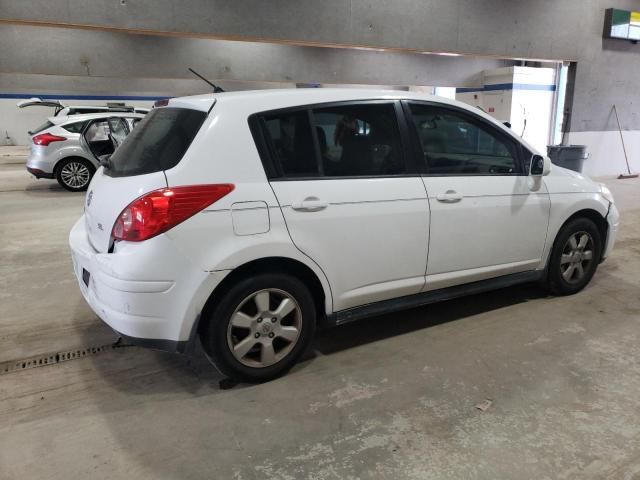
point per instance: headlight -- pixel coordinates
(606, 193)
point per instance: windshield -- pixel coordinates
(157, 143)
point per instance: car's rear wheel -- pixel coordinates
(575, 256)
(74, 174)
(261, 326)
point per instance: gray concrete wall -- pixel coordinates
(16, 122)
(45, 61)
(493, 27)
(116, 86)
(608, 71)
(99, 54)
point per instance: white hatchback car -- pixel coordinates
(244, 219)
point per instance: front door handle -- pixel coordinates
(450, 196)
(310, 204)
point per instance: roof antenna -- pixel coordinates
(216, 88)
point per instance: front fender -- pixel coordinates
(563, 207)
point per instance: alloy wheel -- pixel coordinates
(75, 174)
(264, 328)
(577, 256)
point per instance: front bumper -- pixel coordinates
(613, 219)
(147, 292)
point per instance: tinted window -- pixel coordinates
(42, 127)
(359, 139)
(457, 144)
(157, 143)
(291, 143)
(98, 131)
(119, 130)
(83, 110)
(75, 127)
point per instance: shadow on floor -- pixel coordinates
(142, 372)
(386, 326)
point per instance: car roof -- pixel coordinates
(253, 101)
(281, 98)
(59, 120)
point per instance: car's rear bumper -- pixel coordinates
(613, 219)
(39, 163)
(36, 172)
(149, 293)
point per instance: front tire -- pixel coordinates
(74, 174)
(260, 328)
(575, 256)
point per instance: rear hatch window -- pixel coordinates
(157, 143)
(42, 127)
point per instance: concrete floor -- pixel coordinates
(390, 397)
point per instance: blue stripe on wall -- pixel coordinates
(508, 86)
(49, 96)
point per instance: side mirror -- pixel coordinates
(539, 166)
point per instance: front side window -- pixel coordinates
(359, 140)
(456, 144)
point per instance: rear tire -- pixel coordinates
(74, 174)
(260, 328)
(574, 257)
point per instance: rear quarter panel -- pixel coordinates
(224, 151)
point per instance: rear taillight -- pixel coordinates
(45, 139)
(160, 210)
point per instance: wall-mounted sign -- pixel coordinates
(622, 24)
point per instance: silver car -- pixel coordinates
(61, 109)
(70, 148)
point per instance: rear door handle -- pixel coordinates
(309, 204)
(450, 196)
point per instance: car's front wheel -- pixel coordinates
(575, 256)
(74, 174)
(261, 326)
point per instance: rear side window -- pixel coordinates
(291, 143)
(75, 127)
(359, 140)
(157, 143)
(345, 140)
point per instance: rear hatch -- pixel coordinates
(38, 102)
(137, 167)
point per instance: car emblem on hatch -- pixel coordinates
(89, 197)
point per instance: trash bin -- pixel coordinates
(568, 156)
